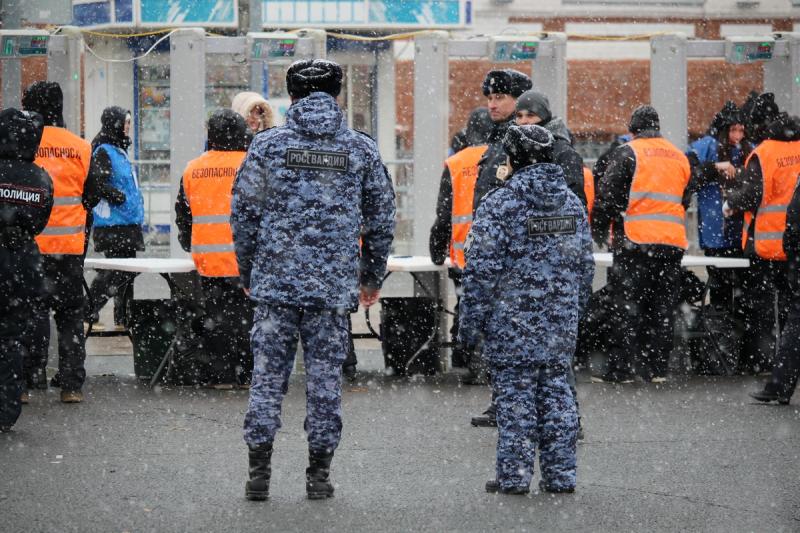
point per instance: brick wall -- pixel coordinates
(33, 69)
(602, 94)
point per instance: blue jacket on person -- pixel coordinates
(529, 271)
(123, 178)
(715, 231)
(305, 194)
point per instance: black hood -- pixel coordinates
(784, 128)
(725, 118)
(112, 129)
(45, 98)
(757, 113)
(227, 131)
(479, 127)
(20, 134)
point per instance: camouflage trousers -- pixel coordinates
(325, 338)
(535, 408)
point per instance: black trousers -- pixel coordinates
(786, 371)
(764, 285)
(111, 284)
(724, 284)
(64, 295)
(645, 293)
(21, 284)
(11, 355)
(227, 325)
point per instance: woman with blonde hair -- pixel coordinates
(255, 110)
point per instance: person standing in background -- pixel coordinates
(66, 157)
(255, 110)
(118, 217)
(202, 216)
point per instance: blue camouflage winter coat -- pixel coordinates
(304, 195)
(529, 271)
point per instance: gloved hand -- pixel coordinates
(726, 210)
(599, 236)
(116, 197)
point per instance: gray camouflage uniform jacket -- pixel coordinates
(304, 195)
(529, 271)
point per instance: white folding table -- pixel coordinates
(606, 259)
(417, 266)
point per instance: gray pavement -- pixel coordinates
(693, 455)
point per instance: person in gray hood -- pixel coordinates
(533, 107)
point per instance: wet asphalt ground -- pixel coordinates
(692, 455)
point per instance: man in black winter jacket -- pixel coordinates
(533, 108)
(785, 373)
(26, 199)
(646, 273)
(501, 89)
(767, 278)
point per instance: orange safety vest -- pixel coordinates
(780, 165)
(66, 157)
(463, 174)
(588, 189)
(208, 185)
(655, 213)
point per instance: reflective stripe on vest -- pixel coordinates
(208, 184)
(655, 213)
(748, 219)
(67, 200)
(66, 157)
(588, 189)
(463, 168)
(780, 166)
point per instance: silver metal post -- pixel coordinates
(550, 72)
(782, 74)
(431, 104)
(64, 67)
(12, 69)
(668, 86)
(187, 82)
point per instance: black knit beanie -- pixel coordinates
(644, 117)
(45, 98)
(526, 145)
(536, 103)
(227, 131)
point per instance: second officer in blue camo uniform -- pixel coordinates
(529, 272)
(305, 194)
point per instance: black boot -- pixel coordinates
(318, 484)
(257, 488)
(488, 419)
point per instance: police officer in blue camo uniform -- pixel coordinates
(305, 194)
(529, 273)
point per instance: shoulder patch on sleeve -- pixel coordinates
(18, 194)
(566, 225)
